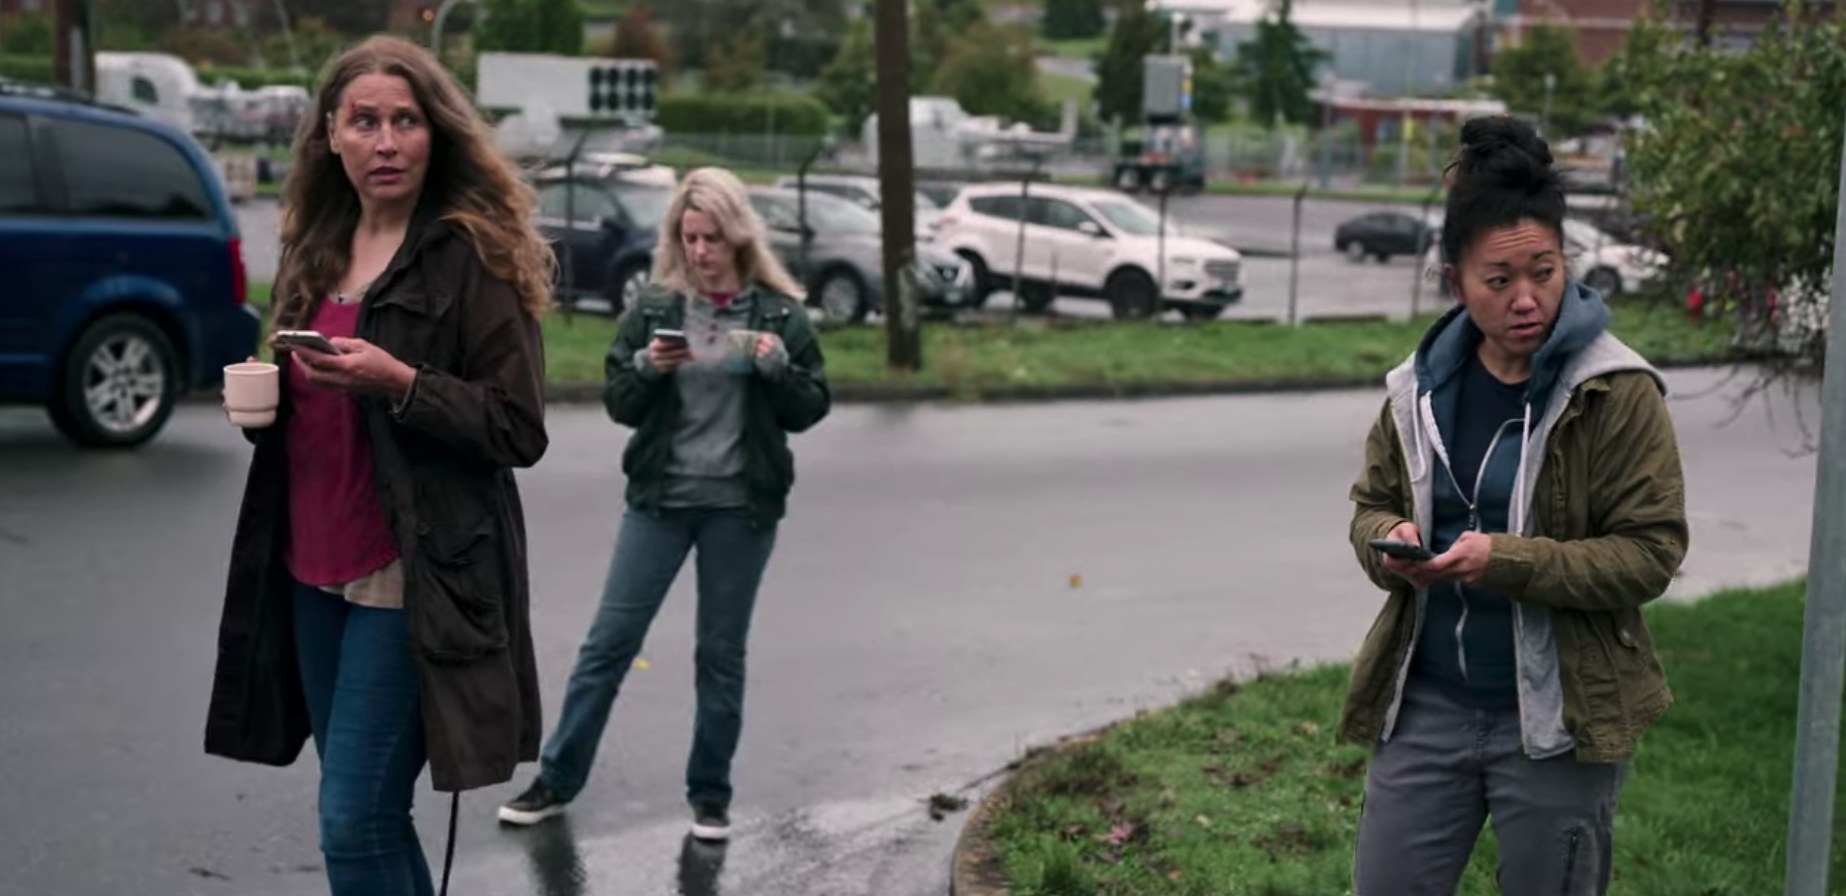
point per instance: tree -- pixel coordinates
(1738, 169)
(1119, 75)
(738, 65)
(993, 70)
(848, 85)
(313, 40)
(27, 34)
(957, 15)
(1276, 67)
(799, 36)
(344, 16)
(532, 26)
(1214, 86)
(1519, 79)
(1072, 19)
(637, 37)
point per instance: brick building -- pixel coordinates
(1602, 25)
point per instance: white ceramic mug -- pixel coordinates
(251, 391)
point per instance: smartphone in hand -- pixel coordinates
(673, 338)
(310, 340)
(1402, 550)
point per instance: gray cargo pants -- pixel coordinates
(1447, 769)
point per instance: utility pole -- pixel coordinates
(897, 187)
(73, 59)
(1823, 644)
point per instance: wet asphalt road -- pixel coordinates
(918, 629)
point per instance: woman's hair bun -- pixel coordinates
(1505, 152)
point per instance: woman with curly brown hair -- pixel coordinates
(377, 595)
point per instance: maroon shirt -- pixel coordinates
(337, 527)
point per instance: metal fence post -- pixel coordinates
(1416, 278)
(1823, 644)
(1294, 259)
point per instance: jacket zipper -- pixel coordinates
(1474, 525)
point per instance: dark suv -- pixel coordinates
(608, 225)
(124, 283)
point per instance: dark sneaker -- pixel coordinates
(710, 823)
(535, 805)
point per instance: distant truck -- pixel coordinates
(1171, 156)
(156, 85)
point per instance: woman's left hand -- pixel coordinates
(361, 368)
(766, 344)
(1465, 560)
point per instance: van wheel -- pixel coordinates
(118, 385)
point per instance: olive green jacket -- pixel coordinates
(1600, 519)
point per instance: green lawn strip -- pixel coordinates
(1246, 790)
(1076, 48)
(974, 361)
(1057, 88)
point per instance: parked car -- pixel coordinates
(1380, 235)
(1607, 264)
(866, 192)
(941, 192)
(1088, 243)
(842, 265)
(607, 225)
(125, 281)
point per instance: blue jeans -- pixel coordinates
(649, 551)
(360, 680)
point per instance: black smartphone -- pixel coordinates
(307, 339)
(675, 338)
(1402, 550)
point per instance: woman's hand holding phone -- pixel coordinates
(668, 350)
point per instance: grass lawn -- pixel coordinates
(1057, 88)
(1079, 48)
(602, 10)
(972, 361)
(1246, 791)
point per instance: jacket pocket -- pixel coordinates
(459, 602)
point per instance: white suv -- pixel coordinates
(1090, 243)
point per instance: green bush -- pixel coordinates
(28, 68)
(27, 33)
(744, 113)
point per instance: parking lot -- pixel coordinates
(1259, 226)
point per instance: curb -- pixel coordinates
(974, 869)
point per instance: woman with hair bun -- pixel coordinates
(1510, 673)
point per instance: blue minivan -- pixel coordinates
(122, 283)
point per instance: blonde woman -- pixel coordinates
(713, 367)
(378, 593)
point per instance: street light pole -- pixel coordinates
(1823, 644)
(435, 30)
